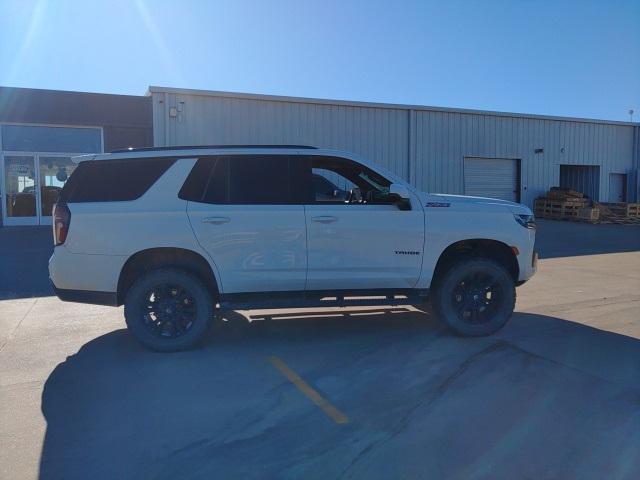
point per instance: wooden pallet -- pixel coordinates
(589, 214)
(620, 220)
(555, 215)
(564, 193)
(631, 210)
(544, 207)
(607, 221)
(561, 202)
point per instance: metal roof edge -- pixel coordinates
(78, 92)
(393, 106)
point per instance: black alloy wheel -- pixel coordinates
(475, 296)
(168, 309)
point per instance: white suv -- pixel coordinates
(175, 234)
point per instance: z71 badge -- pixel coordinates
(438, 204)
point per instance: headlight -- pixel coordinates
(527, 221)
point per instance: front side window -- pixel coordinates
(339, 180)
(330, 187)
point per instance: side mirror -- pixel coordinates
(401, 194)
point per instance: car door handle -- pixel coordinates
(324, 219)
(216, 220)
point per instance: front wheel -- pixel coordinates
(168, 310)
(475, 297)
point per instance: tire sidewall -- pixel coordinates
(454, 276)
(136, 296)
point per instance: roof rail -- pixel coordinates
(206, 147)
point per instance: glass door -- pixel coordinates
(20, 203)
(54, 171)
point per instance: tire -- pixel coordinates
(475, 297)
(168, 310)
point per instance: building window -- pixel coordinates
(28, 138)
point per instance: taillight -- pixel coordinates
(61, 220)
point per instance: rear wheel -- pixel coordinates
(475, 297)
(168, 310)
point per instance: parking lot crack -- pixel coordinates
(568, 366)
(440, 391)
(18, 325)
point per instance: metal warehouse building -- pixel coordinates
(504, 155)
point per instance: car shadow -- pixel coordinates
(529, 402)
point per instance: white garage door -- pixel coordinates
(491, 177)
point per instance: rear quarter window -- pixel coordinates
(113, 180)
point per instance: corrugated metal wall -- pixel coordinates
(379, 134)
(634, 178)
(426, 146)
(444, 139)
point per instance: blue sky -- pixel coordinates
(575, 58)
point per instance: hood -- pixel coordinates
(476, 201)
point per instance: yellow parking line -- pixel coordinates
(335, 414)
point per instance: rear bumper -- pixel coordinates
(86, 296)
(85, 272)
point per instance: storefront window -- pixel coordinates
(33, 179)
(54, 172)
(19, 179)
(27, 138)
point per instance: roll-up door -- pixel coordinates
(491, 177)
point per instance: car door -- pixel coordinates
(243, 214)
(362, 242)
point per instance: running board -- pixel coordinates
(315, 299)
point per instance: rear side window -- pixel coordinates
(246, 180)
(259, 179)
(113, 180)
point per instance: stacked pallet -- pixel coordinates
(560, 204)
(589, 215)
(620, 213)
(567, 204)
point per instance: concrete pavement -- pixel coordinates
(556, 394)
